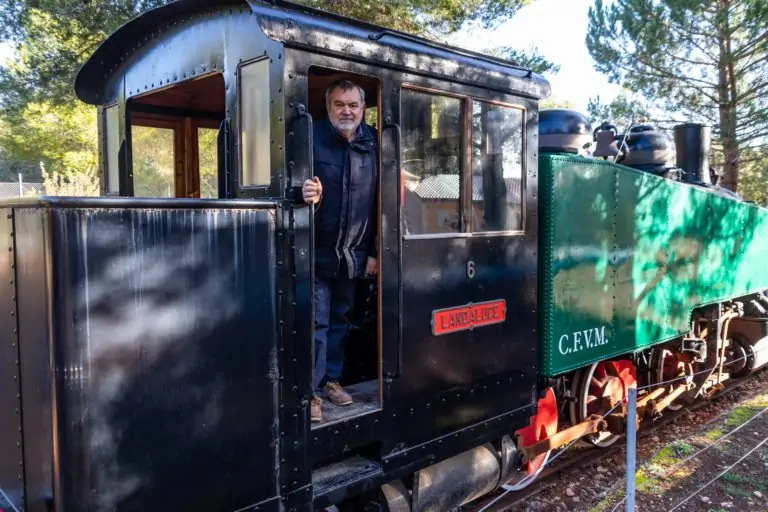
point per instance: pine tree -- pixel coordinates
(704, 59)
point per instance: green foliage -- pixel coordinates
(209, 162)
(702, 60)
(62, 136)
(556, 102)
(41, 121)
(10, 168)
(53, 38)
(753, 184)
(76, 182)
(153, 162)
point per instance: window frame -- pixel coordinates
(523, 164)
(241, 146)
(110, 118)
(468, 95)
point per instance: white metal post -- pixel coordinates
(21, 187)
(631, 451)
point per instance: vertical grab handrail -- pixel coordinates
(390, 125)
(301, 112)
(304, 265)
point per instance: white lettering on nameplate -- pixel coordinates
(582, 340)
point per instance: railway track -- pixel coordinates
(582, 454)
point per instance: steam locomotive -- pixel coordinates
(157, 340)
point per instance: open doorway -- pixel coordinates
(361, 346)
(174, 139)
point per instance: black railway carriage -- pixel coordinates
(161, 335)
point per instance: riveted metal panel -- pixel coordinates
(149, 355)
(35, 357)
(12, 458)
(166, 357)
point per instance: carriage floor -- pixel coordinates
(365, 396)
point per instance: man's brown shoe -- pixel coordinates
(316, 409)
(337, 395)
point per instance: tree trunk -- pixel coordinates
(727, 94)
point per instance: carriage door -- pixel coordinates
(467, 238)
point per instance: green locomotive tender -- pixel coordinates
(626, 258)
(649, 274)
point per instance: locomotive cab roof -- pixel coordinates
(195, 45)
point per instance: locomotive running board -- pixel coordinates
(340, 474)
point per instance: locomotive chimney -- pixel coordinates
(692, 142)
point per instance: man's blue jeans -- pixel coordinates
(334, 297)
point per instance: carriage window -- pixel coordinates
(497, 167)
(254, 123)
(154, 168)
(431, 162)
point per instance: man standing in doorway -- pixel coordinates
(344, 190)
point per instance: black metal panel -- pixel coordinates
(34, 314)
(390, 241)
(480, 373)
(165, 357)
(405, 460)
(11, 460)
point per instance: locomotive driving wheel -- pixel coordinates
(595, 388)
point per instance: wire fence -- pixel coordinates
(628, 501)
(20, 188)
(631, 447)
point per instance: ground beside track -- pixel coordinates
(715, 466)
(596, 481)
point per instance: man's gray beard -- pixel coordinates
(346, 126)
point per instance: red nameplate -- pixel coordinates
(467, 317)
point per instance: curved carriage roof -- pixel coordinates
(296, 25)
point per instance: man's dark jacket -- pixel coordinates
(346, 217)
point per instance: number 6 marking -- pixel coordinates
(470, 269)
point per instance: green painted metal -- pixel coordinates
(626, 257)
